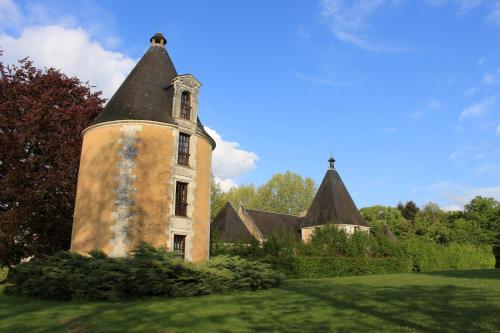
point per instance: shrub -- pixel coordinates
(413, 255)
(3, 273)
(427, 256)
(146, 272)
(313, 267)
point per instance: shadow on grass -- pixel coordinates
(419, 308)
(327, 305)
(493, 274)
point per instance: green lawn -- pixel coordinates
(461, 301)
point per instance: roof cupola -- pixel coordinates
(158, 40)
(331, 160)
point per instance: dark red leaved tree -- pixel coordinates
(42, 114)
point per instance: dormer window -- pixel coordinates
(186, 105)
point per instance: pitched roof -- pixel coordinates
(388, 233)
(228, 226)
(333, 204)
(269, 223)
(147, 93)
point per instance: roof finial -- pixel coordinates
(158, 39)
(331, 160)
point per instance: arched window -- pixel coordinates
(185, 105)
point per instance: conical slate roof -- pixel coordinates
(332, 204)
(147, 92)
(388, 233)
(228, 227)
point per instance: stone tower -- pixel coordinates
(146, 165)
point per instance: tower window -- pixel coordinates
(181, 199)
(183, 152)
(180, 245)
(185, 105)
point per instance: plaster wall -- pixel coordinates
(126, 190)
(308, 232)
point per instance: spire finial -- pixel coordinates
(331, 160)
(158, 39)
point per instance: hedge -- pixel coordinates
(427, 256)
(301, 267)
(415, 255)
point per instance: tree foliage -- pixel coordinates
(377, 216)
(42, 114)
(409, 210)
(286, 193)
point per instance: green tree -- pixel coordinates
(243, 195)
(286, 193)
(409, 210)
(217, 199)
(378, 215)
(485, 211)
(431, 222)
(464, 231)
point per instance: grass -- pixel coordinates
(460, 301)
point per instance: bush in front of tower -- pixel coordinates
(147, 272)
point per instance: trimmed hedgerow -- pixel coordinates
(413, 255)
(147, 272)
(302, 267)
(427, 256)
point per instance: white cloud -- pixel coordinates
(389, 130)
(71, 50)
(470, 92)
(464, 5)
(225, 184)
(491, 78)
(458, 195)
(302, 33)
(431, 105)
(452, 208)
(488, 78)
(488, 169)
(468, 152)
(229, 161)
(320, 81)
(349, 21)
(9, 13)
(494, 16)
(476, 109)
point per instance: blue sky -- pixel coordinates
(404, 94)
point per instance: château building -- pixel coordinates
(145, 166)
(332, 204)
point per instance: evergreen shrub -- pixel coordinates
(3, 273)
(146, 272)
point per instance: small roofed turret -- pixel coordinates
(388, 233)
(333, 203)
(149, 93)
(158, 39)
